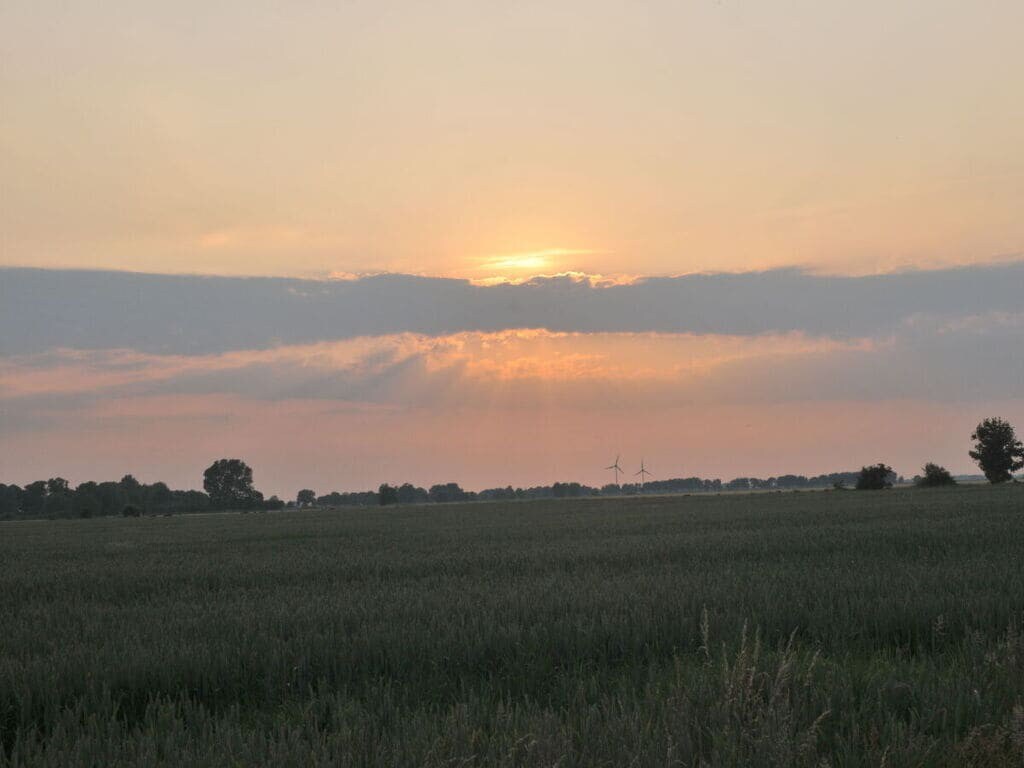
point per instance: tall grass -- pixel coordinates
(795, 629)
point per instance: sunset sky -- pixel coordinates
(499, 243)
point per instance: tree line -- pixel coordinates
(449, 492)
(228, 484)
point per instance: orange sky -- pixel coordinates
(441, 138)
(519, 407)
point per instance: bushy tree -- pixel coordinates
(411, 494)
(447, 493)
(10, 501)
(112, 498)
(58, 501)
(387, 494)
(933, 476)
(157, 498)
(875, 478)
(997, 450)
(129, 483)
(86, 501)
(305, 498)
(229, 483)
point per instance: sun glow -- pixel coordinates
(528, 261)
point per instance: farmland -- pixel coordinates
(818, 628)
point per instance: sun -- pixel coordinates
(532, 262)
(519, 262)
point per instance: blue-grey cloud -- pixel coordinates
(46, 309)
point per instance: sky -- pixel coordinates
(499, 243)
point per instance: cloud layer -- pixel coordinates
(346, 384)
(164, 314)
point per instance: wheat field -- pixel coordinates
(780, 629)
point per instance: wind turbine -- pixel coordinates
(616, 467)
(643, 474)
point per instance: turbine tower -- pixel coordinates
(616, 467)
(643, 475)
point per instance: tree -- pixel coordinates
(10, 501)
(934, 476)
(387, 494)
(875, 478)
(157, 497)
(58, 498)
(129, 483)
(305, 498)
(112, 498)
(410, 494)
(229, 483)
(997, 450)
(447, 493)
(86, 502)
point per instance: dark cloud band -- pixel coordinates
(46, 309)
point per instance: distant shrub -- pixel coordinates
(877, 477)
(130, 510)
(934, 476)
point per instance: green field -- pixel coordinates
(826, 628)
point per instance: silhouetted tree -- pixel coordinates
(305, 498)
(387, 494)
(10, 501)
(129, 483)
(192, 501)
(273, 503)
(33, 498)
(86, 502)
(112, 498)
(447, 492)
(875, 477)
(58, 498)
(933, 476)
(411, 494)
(997, 450)
(157, 497)
(229, 483)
